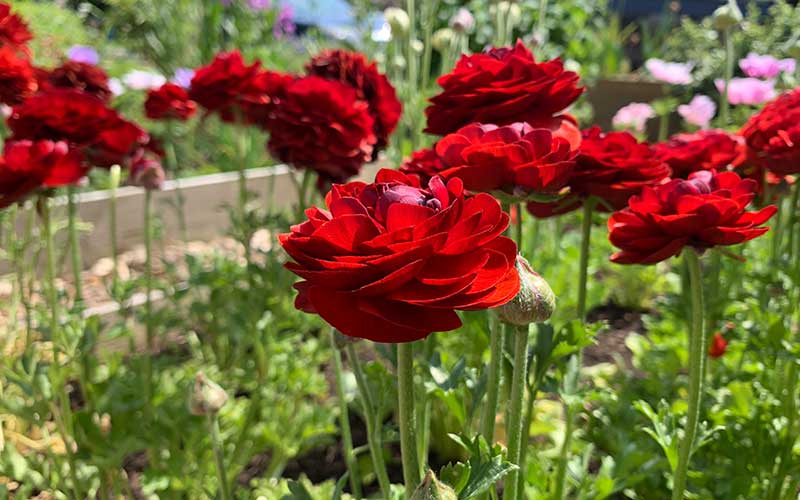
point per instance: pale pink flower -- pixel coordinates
(758, 66)
(699, 111)
(634, 115)
(751, 91)
(670, 72)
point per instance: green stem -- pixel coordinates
(541, 27)
(52, 293)
(519, 227)
(526, 429)
(493, 380)
(794, 208)
(344, 420)
(374, 435)
(697, 355)
(427, 27)
(148, 309)
(563, 455)
(413, 77)
(663, 127)
(75, 244)
(407, 416)
(724, 105)
(174, 166)
(242, 150)
(586, 236)
(514, 427)
(789, 394)
(219, 457)
(115, 173)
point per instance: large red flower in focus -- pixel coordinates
(392, 261)
(502, 86)
(170, 101)
(27, 165)
(81, 76)
(610, 166)
(517, 159)
(371, 86)
(320, 124)
(702, 150)
(423, 164)
(13, 30)
(705, 211)
(80, 119)
(773, 135)
(17, 77)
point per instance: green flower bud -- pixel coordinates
(794, 50)
(206, 396)
(398, 20)
(114, 176)
(514, 15)
(432, 489)
(727, 16)
(417, 46)
(441, 39)
(535, 301)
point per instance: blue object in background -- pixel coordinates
(333, 17)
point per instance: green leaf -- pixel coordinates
(297, 491)
(484, 475)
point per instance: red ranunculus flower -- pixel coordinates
(371, 86)
(13, 30)
(718, 346)
(516, 159)
(392, 261)
(423, 164)
(81, 76)
(320, 124)
(611, 166)
(773, 135)
(27, 165)
(17, 77)
(705, 211)
(80, 119)
(703, 150)
(170, 101)
(146, 170)
(502, 86)
(257, 100)
(217, 85)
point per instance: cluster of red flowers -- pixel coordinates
(332, 120)
(60, 121)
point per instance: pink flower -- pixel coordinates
(750, 91)
(759, 66)
(634, 116)
(670, 72)
(699, 111)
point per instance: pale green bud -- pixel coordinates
(535, 301)
(442, 38)
(432, 489)
(398, 20)
(206, 396)
(727, 16)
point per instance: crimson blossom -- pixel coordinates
(423, 164)
(773, 135)
(170, 101)
(81, 76)
(13, 30)
(707, 210)
(29, 165)
(17, 77)
(702, 150)
(503, 86)
(391, 261)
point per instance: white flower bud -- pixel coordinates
(206, 396)
(398, 20)
(727, 16)
(442, 38)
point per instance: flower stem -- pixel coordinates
(519, 227)
(586, 236)
(493, 380)
(148, 309)
(427, 22)
(174, 166)
(724, 105)
(374, 435)
(219, 457)
(407, 416)
(514, 427)
(697, 355)
(794, 208)
(344, 420)
(75, 244)
(563, 455)
(115, 173)
(52, 294)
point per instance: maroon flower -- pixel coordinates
(705, 211)
(502, 86)
(146, 170)
(13, 30)
(423, 164)
(81, 76)
(703, 150)
(217, 85)
(80, 119)
(610, 166)
(320, 124)
(718, 346)
(371, 86)
(17, 77)
(170, 101)
(516, 159)
(773, 135)
(392, 261)
(258, 98)
(27, 165)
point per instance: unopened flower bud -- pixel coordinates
(146, 172)
(727, 16)
(441, 39)
(398, 20)
(206, 396)
(514, 15)
(114, 176)
(417, 46)
(535, 301)
(433, 489)
(463, 21)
